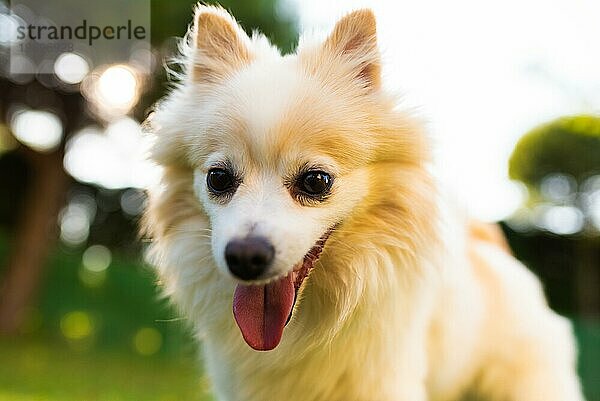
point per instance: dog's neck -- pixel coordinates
(332, 316)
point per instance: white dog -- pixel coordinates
(299, 230)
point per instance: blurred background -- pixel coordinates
(509, 90)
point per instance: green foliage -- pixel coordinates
(588, 338)
(568, 145)
(171, 19)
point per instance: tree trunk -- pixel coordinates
(35, 235)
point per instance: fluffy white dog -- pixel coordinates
(298, 228)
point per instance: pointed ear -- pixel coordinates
(354, 40)
(220, 45)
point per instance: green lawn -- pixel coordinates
(109, 337)
(33, 371)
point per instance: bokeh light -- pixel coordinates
(40, 130)
(114, 158)
(558, 187)
(8, 29)
(117, 89)
(94, 262)
(77, 325)
(147, 341)
(561, 220)
(96, 258)
(591, 200)
(594, 209)
(133, 202)
(74, 226)
(71, 68)
(75, 219)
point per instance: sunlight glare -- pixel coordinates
(117, 88)
(114, 158)
(71, 68)
(40, 130)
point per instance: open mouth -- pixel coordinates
(262, 311)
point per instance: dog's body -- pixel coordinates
(307, 154)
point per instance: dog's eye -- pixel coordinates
(219, 180)
(315, 183)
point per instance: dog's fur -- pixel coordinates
(409, 300)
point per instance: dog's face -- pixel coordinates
(268, 171)
(272, 169)
(282, 150)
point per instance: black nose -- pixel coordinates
(248, 258)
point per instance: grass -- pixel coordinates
(40, 371)
(107, 337)
(33, 370)
(111, 338)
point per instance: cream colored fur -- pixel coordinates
(407, 303)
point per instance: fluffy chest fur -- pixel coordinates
(375, 350)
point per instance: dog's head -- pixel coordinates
(281, 152)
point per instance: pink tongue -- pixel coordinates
(261, 311)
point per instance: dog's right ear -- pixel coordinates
(220, 45)
(350, 52)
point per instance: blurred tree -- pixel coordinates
(569, 145)
(37, 215)
(559, 162)
(37, 200)
(271, 17)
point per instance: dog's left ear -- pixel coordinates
(354, 42)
